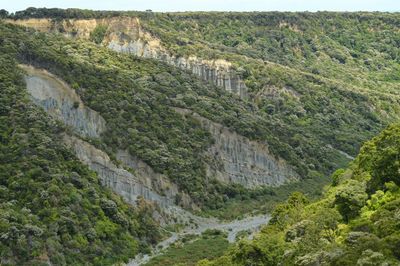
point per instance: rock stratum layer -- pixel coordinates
(240, 160)
(127, 36)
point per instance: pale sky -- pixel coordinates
(209, 5)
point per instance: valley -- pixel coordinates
(59, 100)
(249, 225)
(199, 138)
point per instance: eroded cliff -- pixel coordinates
(233, 158)
(158, 182)
(118, 179)
(237, 159)
(60, 101)
(126, 35)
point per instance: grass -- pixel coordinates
(208, 246)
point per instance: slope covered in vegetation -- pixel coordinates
(136, 97)
(322, 83)
(319, 85)
(355, 223)
(330, 77)
(52, 208)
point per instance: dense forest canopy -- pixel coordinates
(325, 79)
(136, 97)
(320, 84)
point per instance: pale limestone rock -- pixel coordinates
(58, 99)
(156, 181)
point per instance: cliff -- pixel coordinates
(61, 102)
(236, 159)
(127, 36)
(118, 179)
(233, 158)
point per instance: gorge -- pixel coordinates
(199, 138)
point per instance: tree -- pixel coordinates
(97, 35)
(350, 198)
(3, 13)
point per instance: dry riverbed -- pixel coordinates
(250, 224)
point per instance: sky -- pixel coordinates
(209, 5)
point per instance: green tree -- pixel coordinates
(3, 13)
(350, 198)
(98, 34)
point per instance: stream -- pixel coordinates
(253, 224)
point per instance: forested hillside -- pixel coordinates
(219, 114)
(322, 82)
(355, 223)
(325, 76)
(136, 97)
(52, 207)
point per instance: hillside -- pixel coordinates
(355, 223)
(322, 88)
(119, 129)
(53, 209)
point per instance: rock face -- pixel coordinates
(158, 182)
(62, 102)
(130, 38)
(219, 72)
(58, 99)
(126, 35)
(235, 159)
(240, 160)
(118, 179)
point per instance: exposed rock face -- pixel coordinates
(240, 160)
(130, 38)
(218, 72)
(62, 102)
(118, 179)
(126, 35)
(235, 158)
(158, 182)
(58, 99)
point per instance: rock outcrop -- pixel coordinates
(219, 72)
(118, 179)
(58, 99)
(158, 182)
(125, 34)
(240, 160)
(61, 102)
(235, 159)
